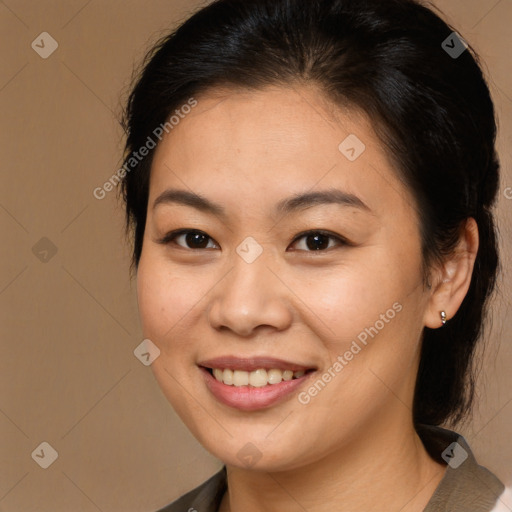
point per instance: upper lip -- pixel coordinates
(253, 363)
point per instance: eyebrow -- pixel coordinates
(295, 203)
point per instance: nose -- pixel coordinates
(250, 299)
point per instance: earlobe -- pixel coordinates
(453, 278)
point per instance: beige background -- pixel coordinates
(69, 325)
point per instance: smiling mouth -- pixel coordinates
(256, 378)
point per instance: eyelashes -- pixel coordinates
(202, 240)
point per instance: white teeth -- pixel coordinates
(274, 376)
(257, 378)
(227, 377)
(287, 375)
(240, 378)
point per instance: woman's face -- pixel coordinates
(248, 287)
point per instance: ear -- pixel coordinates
(452, 280)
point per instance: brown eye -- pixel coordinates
(190, 239)
(316, 241)
(319, 241)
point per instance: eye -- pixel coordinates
(318, 241)
(315, 240)
(195, 239)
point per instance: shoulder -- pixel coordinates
(204, 498)
(466, 485)
(504, 504)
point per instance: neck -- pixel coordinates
(385, 467)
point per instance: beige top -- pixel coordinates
(465, 487)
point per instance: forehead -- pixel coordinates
(275, 123)
(253, 147)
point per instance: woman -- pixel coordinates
(310, 186)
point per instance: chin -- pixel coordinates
(255, 453)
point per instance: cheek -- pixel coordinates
(163, 299)
(347, 300)
(367, 313)
(165, 306)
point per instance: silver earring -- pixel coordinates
(443, 317)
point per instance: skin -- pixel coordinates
(353, 446)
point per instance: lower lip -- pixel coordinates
(249, 398)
